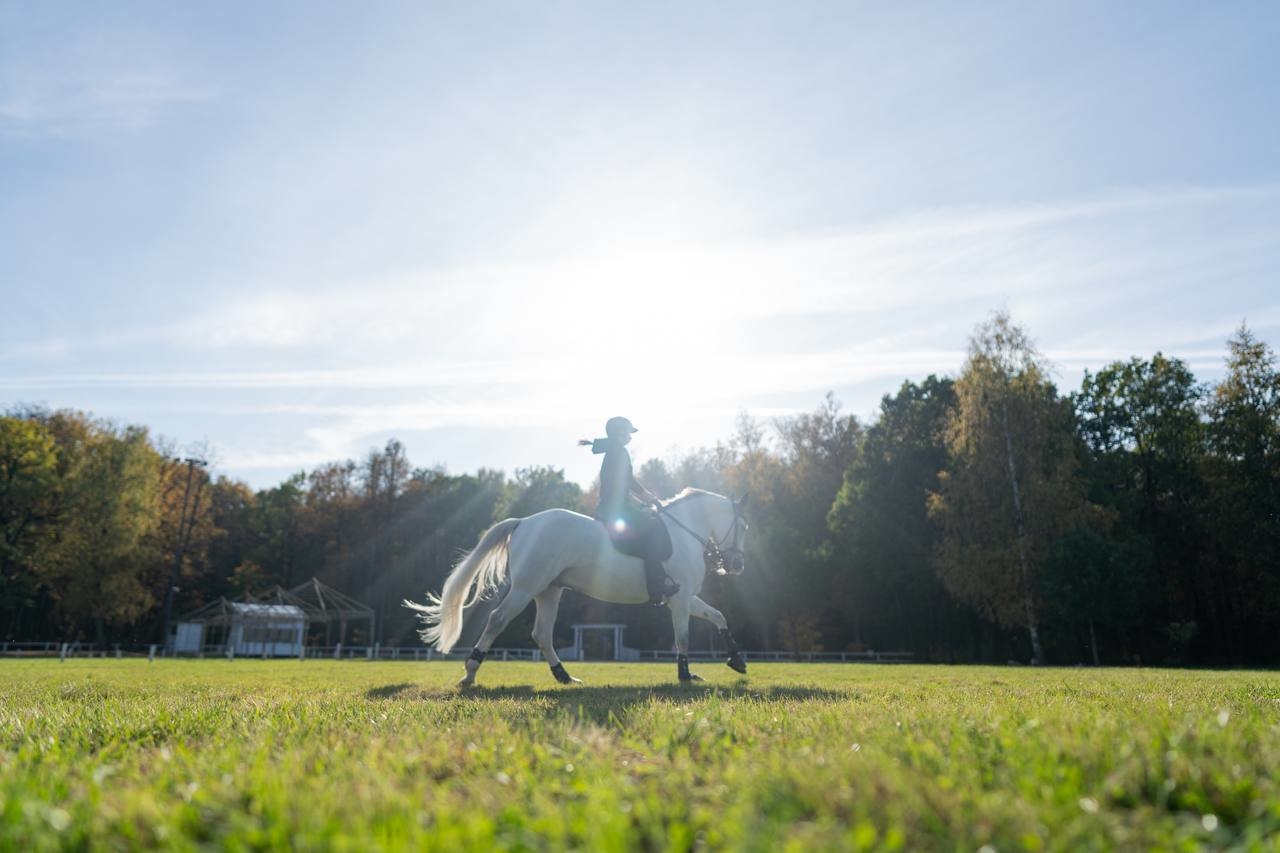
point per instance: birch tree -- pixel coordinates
(1010, 487)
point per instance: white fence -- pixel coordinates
(789, 657)
(424, 653)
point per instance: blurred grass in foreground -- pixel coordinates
(309, 755)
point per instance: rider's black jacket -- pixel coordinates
(616, 478)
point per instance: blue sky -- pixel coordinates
(292, 230)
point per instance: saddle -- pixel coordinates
(635, 542)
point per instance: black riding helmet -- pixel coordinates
(618, 427)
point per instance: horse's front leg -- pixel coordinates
(702, 610)
(680, 622)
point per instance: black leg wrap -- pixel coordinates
(561, 674)
(682, 669)
(735, 661)
(477, 655)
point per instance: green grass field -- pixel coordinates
(291, 755)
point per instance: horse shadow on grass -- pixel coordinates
(389, 691)
(600, 704)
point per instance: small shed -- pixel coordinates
(272, 624)
(267, 630)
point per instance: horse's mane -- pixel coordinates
(688, 494)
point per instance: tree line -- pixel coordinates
(982, 517)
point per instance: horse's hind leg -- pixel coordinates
(680, 612)
(509, 608)
(548, 604)
(699, 608)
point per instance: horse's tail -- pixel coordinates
(485, 567)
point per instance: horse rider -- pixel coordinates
(625, 509)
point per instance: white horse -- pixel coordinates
(547, 553)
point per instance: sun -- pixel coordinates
(652, 329)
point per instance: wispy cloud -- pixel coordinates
(934, 271)
(707, 331)
(80, 90)
(1103, 246)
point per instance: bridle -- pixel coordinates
(715, 558)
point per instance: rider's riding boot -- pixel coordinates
(659, 582)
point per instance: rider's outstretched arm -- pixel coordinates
(642, 494)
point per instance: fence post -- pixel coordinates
(302, 652)
(62, 654)
(118, 655)
(337, 651)
(151, 654)
(231, 651)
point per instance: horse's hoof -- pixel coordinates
(737, 664)
(467, 682)
(562, 676)
(686, 679)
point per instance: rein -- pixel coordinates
(710, 546)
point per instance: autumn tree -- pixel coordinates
(792, 477)
(442, 517)
(1010, 487)
(276, 525)
(28, 505)
(536, 488)
(758, 599)
(655, 476)
(333, 510)
(100, 566)
(384, 476)
(231, 504)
